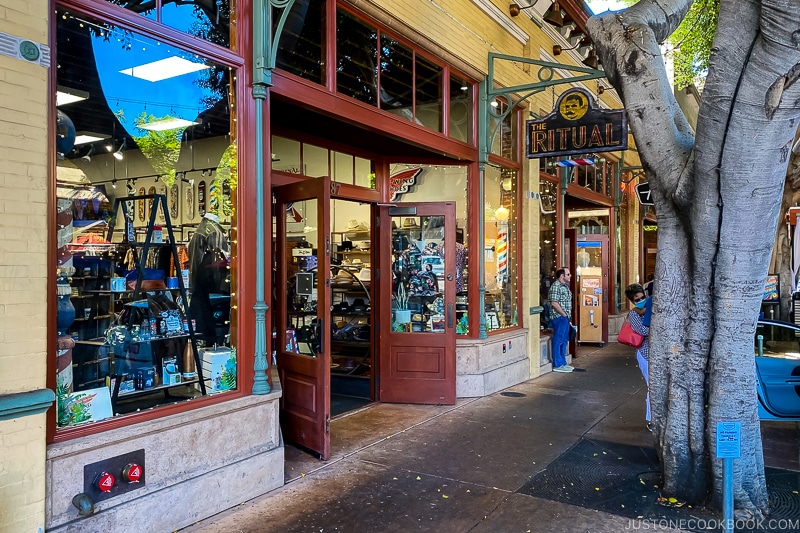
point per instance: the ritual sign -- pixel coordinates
(576, 126)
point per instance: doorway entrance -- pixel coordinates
(330, 302)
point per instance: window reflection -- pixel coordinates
(460, 109)
(301, 50)
(356, 58)
(206, 20)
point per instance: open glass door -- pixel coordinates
(417, 356)
(302, 288)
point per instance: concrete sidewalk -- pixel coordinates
(400, 468)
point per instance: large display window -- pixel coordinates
(501, 248)
(146, 186)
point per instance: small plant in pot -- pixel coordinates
(402, 314)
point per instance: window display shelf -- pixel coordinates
(139, 392)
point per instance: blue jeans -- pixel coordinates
(560, 341)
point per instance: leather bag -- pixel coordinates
(629, 337)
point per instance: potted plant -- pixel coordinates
(402, 314)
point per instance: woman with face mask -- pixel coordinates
(635, 293)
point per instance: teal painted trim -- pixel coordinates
(538, 310)
(484, 147)
(25, 403)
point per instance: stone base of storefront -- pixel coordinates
(197, 464)
(484, 366)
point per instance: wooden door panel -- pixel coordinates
(301, 397)
(417, 362)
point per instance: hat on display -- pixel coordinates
(362, 245)
(354, 225)
(356, 261)
(364, 274)
(410, 223)
(346, 246)
(342, 277)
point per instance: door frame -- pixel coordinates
(305, 379)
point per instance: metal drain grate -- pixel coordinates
(625, 480)
(512, 394)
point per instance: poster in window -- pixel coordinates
(771, 292)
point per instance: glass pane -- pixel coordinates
(143, 130)
(147, 10)
(548, 194)
(504, 142)
(365, 173)
(315, 161)
(285, 154)
(207, 20)
(356, 58)
(397, 78)
(301, 49)
(500, 247)
(429, 94)
(342, 170)
(461, 109)
(302, 277)
(418, 274)
(422, 183)
(591, 222)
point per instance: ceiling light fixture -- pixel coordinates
(66, 95)
(86, 137)
(118, 154)
(169, 123)
(164, 69)
(88, 156)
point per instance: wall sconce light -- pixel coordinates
(591, 59)
(515, 9)
(584, 43)
(553, 15)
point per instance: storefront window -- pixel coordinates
(318, 161)
(504, 140)
(426, 183)
(301, 49)
(548, 207)
(356, 58)
(500, 252)
(147, 285)
(461, 109)
(592, 177)
(206, 20)
(396, 78)
(428, 87)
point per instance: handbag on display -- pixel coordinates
(629, 337)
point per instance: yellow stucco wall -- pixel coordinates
(23, 260)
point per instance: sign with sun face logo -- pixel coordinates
(576, 126)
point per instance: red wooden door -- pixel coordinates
(302, 309)
(417, 356)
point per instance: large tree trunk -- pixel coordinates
(717, 196)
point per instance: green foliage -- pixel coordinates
(161, 148)
(227, 173)
(692, 42)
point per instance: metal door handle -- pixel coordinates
(450, 316)
(449, 277)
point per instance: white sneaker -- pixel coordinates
(570, 367)
(563, 368)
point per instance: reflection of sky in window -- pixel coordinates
(179, 96)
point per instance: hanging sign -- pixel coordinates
(576, 126)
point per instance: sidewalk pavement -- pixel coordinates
(474, 467)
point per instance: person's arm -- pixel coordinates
(558, 308)
(636, 323)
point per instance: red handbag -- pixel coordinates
(629, 337)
